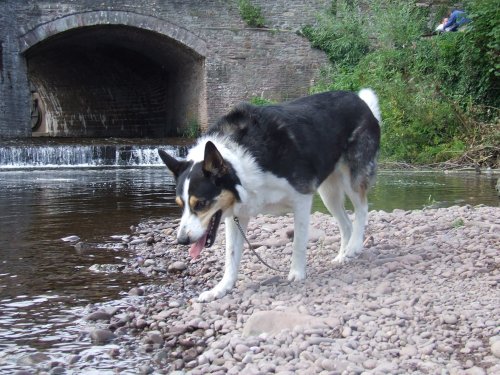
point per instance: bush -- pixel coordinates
(479, 51)
(396, 23)
(251, 14)
(341, 33)
(259, 100)
(432, 91)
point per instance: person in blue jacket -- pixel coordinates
(456, 19)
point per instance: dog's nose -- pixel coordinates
(183, 240)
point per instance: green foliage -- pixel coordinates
(457, 223)
(192, 130)
(340, 33)
(481, 47)
(396, 23)
(251, 14)
(259, 100)
(430, 89)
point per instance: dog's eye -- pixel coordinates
(200, 205)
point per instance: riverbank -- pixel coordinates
(422, 298)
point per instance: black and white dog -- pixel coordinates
(272, 159)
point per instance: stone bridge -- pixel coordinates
(155, 68)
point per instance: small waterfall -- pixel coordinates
(73, 155)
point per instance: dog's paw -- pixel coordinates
(341, 258)
(350, 252)
(211, 295)
(296, 275)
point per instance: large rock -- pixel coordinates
(273, 322)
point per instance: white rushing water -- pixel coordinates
(56, 156)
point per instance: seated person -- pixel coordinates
(456, 19)
(440, 27)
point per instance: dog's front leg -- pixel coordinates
(234, 247)
(302, 210)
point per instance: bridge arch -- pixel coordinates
(116, 74)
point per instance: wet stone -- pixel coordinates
(33, 359)
(101, 336)
(136, 292)
(98, 315)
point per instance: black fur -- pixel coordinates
(208, 185)
(303, 140)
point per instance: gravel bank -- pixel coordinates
(422, 298)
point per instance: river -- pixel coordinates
(45, 282)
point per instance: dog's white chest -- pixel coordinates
(268, 195)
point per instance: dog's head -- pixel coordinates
(205, 190)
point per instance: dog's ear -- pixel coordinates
(213, 162)
(175, 166)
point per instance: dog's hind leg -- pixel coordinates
(234, 248)
(359, 200)
(302, 212)
(332, 193)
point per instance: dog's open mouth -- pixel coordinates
(208, 238)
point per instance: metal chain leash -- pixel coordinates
(237, 221)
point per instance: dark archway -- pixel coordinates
(115, 80)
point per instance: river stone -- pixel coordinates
(272, 242)
(241, 349)
(475, 371)
(273, 322)
(495, 348)
(383, 288)
(450, 319)
(370, 364)
(162, 315)
(98, 315)
(145, 369)
(346, 332)
(177, 267)
(427, 349)
(101, 336)
(72, 238)
(136, 292)
(315, 234)
(32, 359)
(409, 351)
(153, 337)
(328, 364)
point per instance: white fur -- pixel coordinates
(260, 192)
(370, 98)
(190, 225)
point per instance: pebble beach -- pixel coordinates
(422, 298)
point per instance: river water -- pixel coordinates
(45, 282)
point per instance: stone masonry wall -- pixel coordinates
(240, 62)
(233, 63)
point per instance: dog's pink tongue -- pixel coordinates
(196, 248)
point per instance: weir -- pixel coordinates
(84, 156)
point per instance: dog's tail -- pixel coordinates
(370, 98)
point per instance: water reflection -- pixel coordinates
(40, 275)
(416, 190)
